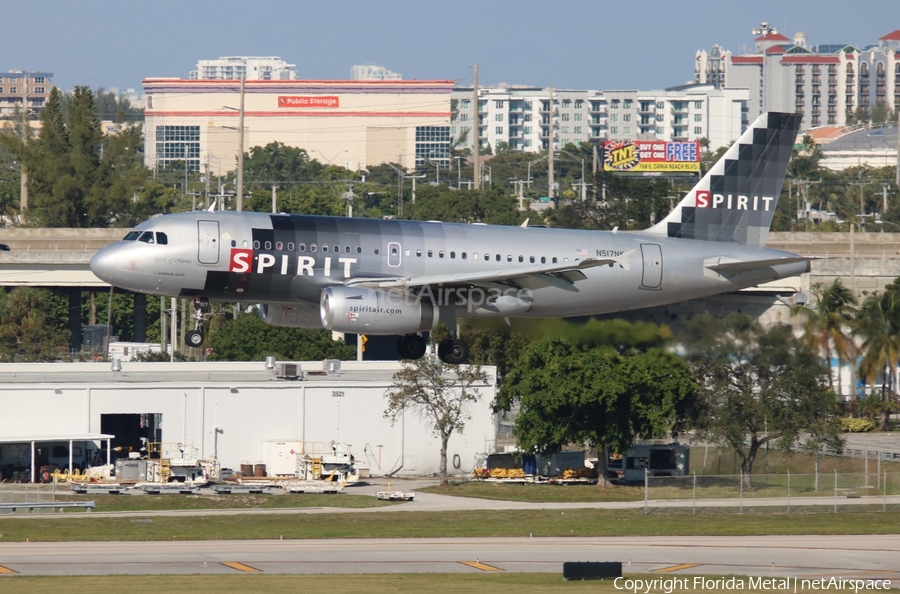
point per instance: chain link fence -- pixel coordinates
(842, 491)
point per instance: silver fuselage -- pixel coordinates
(290, 259)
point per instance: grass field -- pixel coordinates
(480, 523)
(518, 583)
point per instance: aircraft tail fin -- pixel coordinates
(735, 201)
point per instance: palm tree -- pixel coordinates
(826, 324)
(879, 326)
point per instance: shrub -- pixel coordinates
(857, 425)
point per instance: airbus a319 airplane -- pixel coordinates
(390, 277)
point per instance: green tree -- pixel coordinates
(77, 176)
(31, 327)
(439, 394)
(828, 324)
(248, 338)
(878, 324)
(440, 203)
(595, 396)
(759, 386)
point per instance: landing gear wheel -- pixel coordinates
(194, 338)
(411, 346)
(453, 351)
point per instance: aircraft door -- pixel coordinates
(208, 237)
(393, 254)
(651, 254)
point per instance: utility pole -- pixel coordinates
(414, 178)
(207, 180)
(550, 148)
(23, 190)
(274, 198)
(240, 171)
(594, 174)
(897, 183)
(476, 140)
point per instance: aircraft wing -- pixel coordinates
(559, 275)
(722, 264)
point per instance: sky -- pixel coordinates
(576, 44)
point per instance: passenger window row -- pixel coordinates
(302, 247)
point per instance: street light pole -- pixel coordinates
(332, 158)
(765, 30)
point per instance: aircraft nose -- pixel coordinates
(103, 264)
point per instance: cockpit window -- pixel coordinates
(146, 237)
(162, 238)
(131, 236)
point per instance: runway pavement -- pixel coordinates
(856, 557)
(813, 557)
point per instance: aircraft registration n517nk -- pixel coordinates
(371, 276)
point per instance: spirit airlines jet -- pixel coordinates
(390, 277)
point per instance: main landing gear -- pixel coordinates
(454, 351)
(194, 338)
(411, 346)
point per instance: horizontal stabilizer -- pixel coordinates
(722, 264)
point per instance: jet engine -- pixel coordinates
(371, 311)
(293, 315)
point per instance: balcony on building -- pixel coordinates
(646, 106)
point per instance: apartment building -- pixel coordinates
(828, 83)
(523, 119)
(251, 67)
(19, 88)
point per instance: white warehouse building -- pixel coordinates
(227, 411)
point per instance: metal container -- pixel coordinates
(259, 470)
(246, 469)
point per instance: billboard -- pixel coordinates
(652, 157)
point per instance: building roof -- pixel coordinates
(772, 37)
(44, 438)
(775, 49)
(865, 140)
(296, 85)
(747, 60)
(834, 48)
(68, 376)
(892, 36)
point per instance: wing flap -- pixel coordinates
(559, 275)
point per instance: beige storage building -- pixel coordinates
(352, 123)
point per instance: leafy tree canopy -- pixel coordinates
(596, 395)
(759, 386)
(32, 326)
(248, 338)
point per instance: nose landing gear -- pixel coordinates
(194, 338)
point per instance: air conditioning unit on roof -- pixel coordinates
(288, 370)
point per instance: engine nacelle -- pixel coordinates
(294, 315)
(371, 311)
